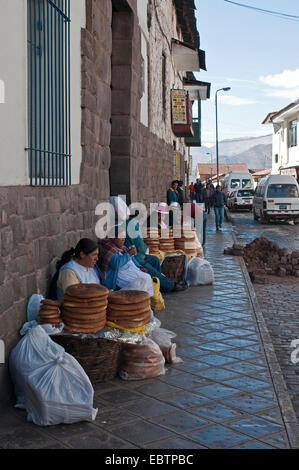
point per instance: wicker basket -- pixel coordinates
(99, 357)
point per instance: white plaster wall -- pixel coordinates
(142, 16)
(13, 72)
(78, 21)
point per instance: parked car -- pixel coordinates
(237, 179)
(240, 199)
(276, 197)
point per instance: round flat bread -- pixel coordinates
(127, 297)
(49, 308)
(132, 308)
(85, 321)
(49, 315)
(87, 311)
(87, 291)
(131, 318)
(51, 303)
(80, 329)
(86, 305)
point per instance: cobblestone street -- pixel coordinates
(278, 298)
(280, 307)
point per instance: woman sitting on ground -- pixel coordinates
(78, 265)
(118, 264)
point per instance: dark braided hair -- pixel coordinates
(85, 244)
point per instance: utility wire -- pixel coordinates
(268, 12)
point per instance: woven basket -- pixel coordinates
(173, 267)
(99, 357)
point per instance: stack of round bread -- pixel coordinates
(152, 240)
(84, 308)
(49, 313)
(129, 308)
(167, 241)
(141, 361)
(187, 241)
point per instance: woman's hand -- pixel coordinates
(132, 251)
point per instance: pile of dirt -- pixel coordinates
(263, 257)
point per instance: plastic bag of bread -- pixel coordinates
(163, 338)
(141, 361)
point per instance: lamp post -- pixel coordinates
(217, 156)
(209, 153)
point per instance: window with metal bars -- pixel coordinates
(49, 136)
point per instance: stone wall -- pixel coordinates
(38, 224)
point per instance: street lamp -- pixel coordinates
(209, 153)
(217, 157)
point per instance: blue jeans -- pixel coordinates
(198, 196)
(152, 264)
(219, 216)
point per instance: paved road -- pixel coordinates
(247, 229)
(280, 300)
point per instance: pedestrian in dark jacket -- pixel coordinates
(207, 195)
(219, 199)
(181, 195)
(198, 188)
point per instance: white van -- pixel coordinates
(276, 197)
(237, 179)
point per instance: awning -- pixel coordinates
(187, 58)
(197, 89)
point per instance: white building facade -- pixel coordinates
(285, 149)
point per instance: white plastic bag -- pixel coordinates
(199, 272)
(33, 307)
(137, 284)
(49, 382)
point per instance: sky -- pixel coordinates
(253, 53)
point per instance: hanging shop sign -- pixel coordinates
(181, 113)
(176, 165)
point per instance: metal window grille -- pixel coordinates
(49, 137)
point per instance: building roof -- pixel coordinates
(273, 116)
(262, 172)
(187, 21)
(268, 118)
(205, 168)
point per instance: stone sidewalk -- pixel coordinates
(224, 394)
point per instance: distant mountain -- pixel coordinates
(256, 152)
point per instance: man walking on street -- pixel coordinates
(219, 199)
(207, 194)
(198, 187)
(192, 192)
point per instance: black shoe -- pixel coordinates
(180, 287)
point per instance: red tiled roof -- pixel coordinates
(205, 168)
